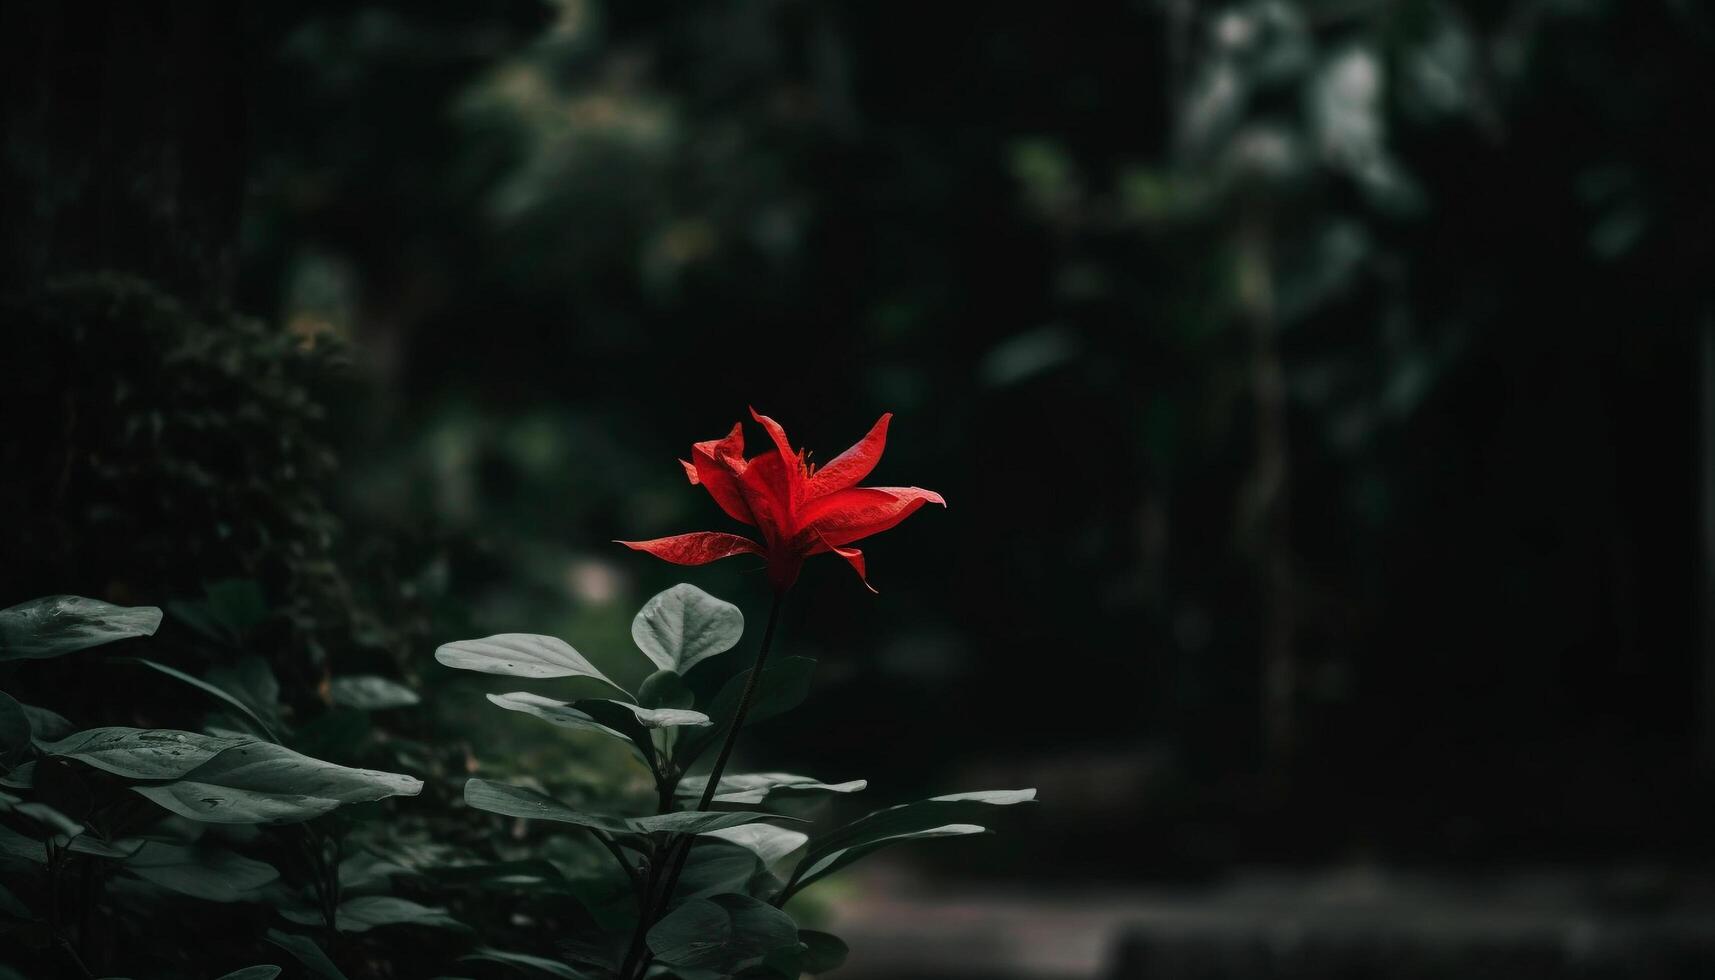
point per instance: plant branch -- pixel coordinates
(638, 958)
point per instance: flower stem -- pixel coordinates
(638, 958)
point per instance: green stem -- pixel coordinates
(638, 958)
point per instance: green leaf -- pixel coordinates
(647, 717)
(768, 842)
(259, 782)
(717, 866)
(305, 950)
(370, 693)
(22, 777)
(263, 972)
(61, 624)
(820, 865)
(136, 753)
(665, 689)
(693, 822)
(784, 686)
(621, 725)
(251, 680)
(521, 875)
(823, 951)
(220, 694)
(553, 968)
(19, 847)
(696, 933)
(684, 626)
(516, 801)
(9, 905)
(941, 816)
(934, 812)
(201, 872)
(96, 847)
(721, 932)
(15, 732)
(757, 786)
(229, 609)
(521, 655)
(46, 725)
(366, 912)
(62, 825)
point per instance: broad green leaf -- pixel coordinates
(62, 825)
(721, 932)
(369, 693)
(553, 968)
(784, 686)
(258, 782)
(757, 786)
(823, 951)
(251, 680)
(820, 864)
(47, 725)
(229, 609)
(696, 933)
(620, 725)
(15, 732)
(137, 753)
(516, 801)
(305, 950)
(780, 963)
(218, 693)
(366, 912)
(684, 626)
(9, 905)
(717, 866)
(19, 847)
(770, 843)
(61, 624)
(96, 847)
(65, 832)
(693, 822)
(665, 689)
(649, 717)
(521, 655)
(365, 871)
(22, 777)
(201, 872)
(263, 972)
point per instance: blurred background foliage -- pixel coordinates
(1318, 388)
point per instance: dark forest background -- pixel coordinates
(1324, 392)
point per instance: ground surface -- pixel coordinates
(1351, 922)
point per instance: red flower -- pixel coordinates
(799, 509)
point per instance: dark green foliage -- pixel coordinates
(724, 916)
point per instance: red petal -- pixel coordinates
(848, 515)
(767, 491)
(696, 548)
(853, 557)
(715, 464)
(792, 467)
(776, 433)
(690, 471)
(845, 470)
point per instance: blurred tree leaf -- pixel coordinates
(201, 872)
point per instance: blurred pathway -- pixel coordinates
(1260, 924)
